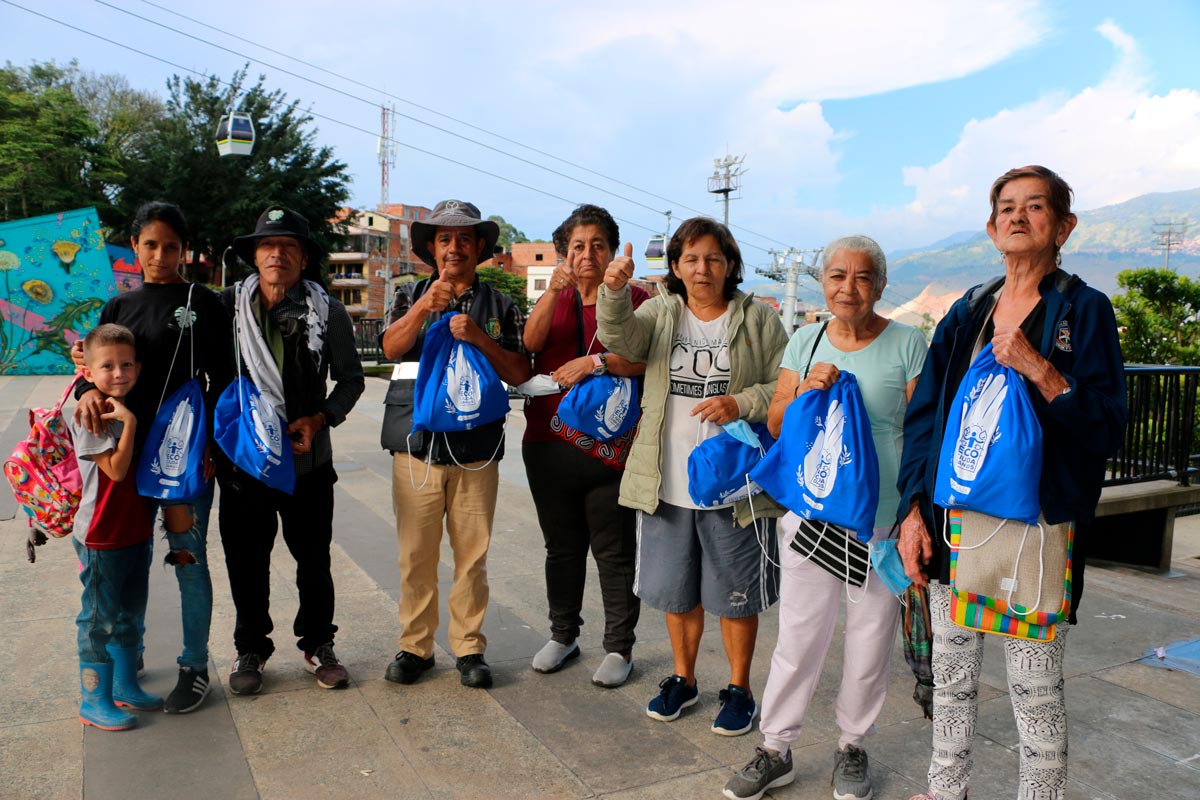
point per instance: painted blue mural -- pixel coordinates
(55, 276)
(126, 272)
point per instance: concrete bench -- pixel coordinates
(1135, 523)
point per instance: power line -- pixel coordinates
(316, 115)
(427, 109)
(372, 133)
(373, 104)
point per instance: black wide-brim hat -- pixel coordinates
(280, 221)
(453, 214)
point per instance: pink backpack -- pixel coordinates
(44, 473)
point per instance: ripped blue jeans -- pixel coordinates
(195, 583)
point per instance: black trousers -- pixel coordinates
(576, 500)
(249, 518)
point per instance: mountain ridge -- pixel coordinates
(1106, 241)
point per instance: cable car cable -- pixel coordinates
(423, 108)
(372, 133)
(373, 104)
(316, 115)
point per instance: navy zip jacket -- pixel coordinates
(1080, 429)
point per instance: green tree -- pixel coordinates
(508, 283)
(124, 117)
(51, 157)
(1157, 316)
(223, 197)
(509, 235)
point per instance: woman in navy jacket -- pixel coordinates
(1061, 336)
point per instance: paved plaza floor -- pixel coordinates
(1134, 729)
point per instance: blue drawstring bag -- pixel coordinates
(171, 466)
(602, 406)
(718, 466)
(251, 432)
(457, 388)
(824, 466)
(991, 456)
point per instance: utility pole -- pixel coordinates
(1170, 234)
(726, 178)
(786, 266)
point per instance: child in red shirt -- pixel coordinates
(112, 538)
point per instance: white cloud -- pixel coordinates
(1112, 142)
(814, 49)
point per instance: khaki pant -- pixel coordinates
(466, 498)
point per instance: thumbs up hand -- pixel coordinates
(620, 270)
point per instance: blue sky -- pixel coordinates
(858, 116)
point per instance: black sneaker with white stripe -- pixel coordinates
(189, 691)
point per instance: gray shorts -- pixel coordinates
(688, 557)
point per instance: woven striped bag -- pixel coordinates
(987, 611)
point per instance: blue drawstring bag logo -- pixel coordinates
(824, 466)
(991, 456)
(602, 406)
(251, 432)
(718, 467)
(457, 388)
(171, 466)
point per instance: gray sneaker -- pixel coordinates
(767, 770)
(554, 656)
(851, 777)
(613, 671)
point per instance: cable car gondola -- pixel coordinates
(656, 252)
(235, 134)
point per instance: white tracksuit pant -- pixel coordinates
(809, 598)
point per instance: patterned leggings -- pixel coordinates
(1035, 685)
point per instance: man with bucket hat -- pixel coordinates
(461, 468)
(291, 336)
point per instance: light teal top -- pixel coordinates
(883, 369)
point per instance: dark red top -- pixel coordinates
(562, 345)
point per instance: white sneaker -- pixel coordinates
(613, 671)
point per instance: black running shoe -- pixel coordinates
(189, 691)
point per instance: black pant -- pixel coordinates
(576, 500)
(250, 512)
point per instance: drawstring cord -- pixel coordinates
(1012, 587)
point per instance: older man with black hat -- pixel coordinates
(291, 335)
(454, 476)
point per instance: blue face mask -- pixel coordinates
(889, 567)
(741, 430)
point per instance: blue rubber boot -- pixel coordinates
(125, 689)
(96, 707)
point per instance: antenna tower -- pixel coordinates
(726, 179)
(386, 150)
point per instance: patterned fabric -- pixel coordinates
(612, 453)
(833, 549)
(1035, 685)
(43, 472)
(993, 615)
(918, 645)
(260, 362)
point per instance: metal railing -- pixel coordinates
(366, 338)
(1161, 430)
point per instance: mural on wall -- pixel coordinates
(55, 276)
(126, 272)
